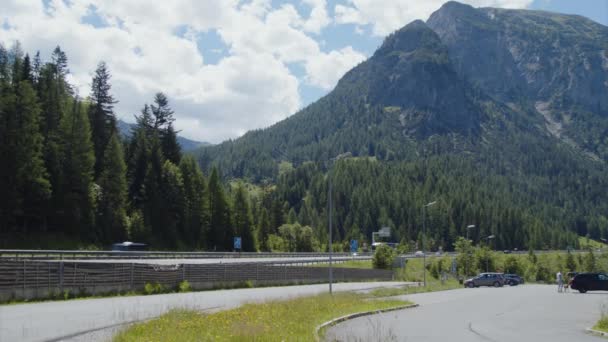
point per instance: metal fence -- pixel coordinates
(79, 254)
(26, 279)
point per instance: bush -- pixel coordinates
(155, 288)
(511, 265)
(383, 258)
(184, 286)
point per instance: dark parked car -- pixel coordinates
(584, 282)
(486, 279)
(513, 279)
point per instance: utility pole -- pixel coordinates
(424, 239)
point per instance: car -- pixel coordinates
(486, 279)
(507, 251)
(584, 282)
(419, 254)
(513, 279)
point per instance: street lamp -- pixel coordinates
(491, 237)
(330, 176)
(466, 266)
(424, 238)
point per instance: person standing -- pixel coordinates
(560, 281)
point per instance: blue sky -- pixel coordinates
(228, 66)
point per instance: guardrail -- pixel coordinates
(78, 254)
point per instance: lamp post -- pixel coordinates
(488, 238)
(466, 266)
(424, 238)
(330, 176)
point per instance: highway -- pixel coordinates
(97, 319)
(521, 313)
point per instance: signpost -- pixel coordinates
(354, 246)
(237, 243)
(383, 232)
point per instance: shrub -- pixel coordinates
(155, 288)
(184, 286)
(383, 258)
(149, 289)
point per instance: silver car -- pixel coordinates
(486, 279)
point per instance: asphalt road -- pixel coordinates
(522, 313)
(97, 319)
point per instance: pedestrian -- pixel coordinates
(560, 281)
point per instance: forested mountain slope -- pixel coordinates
(499, 113)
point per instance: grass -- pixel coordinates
(602, 324)
(432, 286)
(588, 243)
(286, 320)
(348, 264)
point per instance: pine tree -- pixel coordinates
(196, 203)
(242, 219)
(171, 148)
(111, 213)
(163, 115)
(103, 120)
(16, 55)
(54, 95)
(78, 161)
(172, 204)
(264, 230)
(139, 157)
(26, 70)
(221, 232)
(163, 124)
(24, 182)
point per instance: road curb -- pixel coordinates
(356, 315)
(597, 332)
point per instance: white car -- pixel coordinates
(419, 254)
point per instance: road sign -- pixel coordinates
(237, 243)
(384, 232)
(354, 245)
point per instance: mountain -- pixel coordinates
(186, 144)
(545, 73)
(501, 114)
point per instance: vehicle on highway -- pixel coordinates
(419, 254)
(584, 282)
(513, 279)
(486, 279)
(129, 246)
(507, 251)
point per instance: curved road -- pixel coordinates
(96, 319)
(522, 313)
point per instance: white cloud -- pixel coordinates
(393, 15)
(325, 71)
(249, 87)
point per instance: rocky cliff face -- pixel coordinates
(411, 75)
(539, 56)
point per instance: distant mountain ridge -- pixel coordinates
(474, 78)
(186, 144)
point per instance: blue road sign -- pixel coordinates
(237, 243)
(354, 245)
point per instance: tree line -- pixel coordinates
(67, 171)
